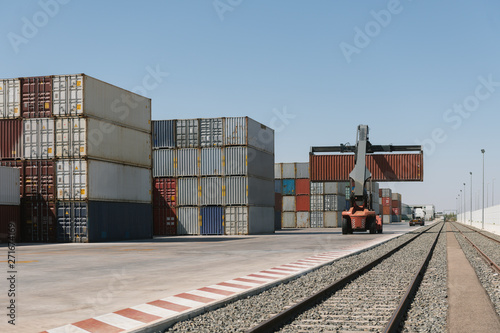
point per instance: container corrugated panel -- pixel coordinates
(19, 165)
(164, 134)
(260, 193)
(261, 220)
(335, 187)
(38, 221)
(288, 220)
(386, 210)
(39, 138)
(332, 202)
(236, 220)
(187, 162)
(289, 170)
(289, 204)
(211, 161)
(396, 196)
(303, 220)
(235, 132)
(383, 167)
(278, 171)
(288, 187)
(386, 193)
(164, 163)
(317, 219)
(10, 98)
(187, 191)
(188, 220)
(278, 186)
(211, 132)
(317, 203)
(317, 188)
(211, 191)
(165, 192)
(247, 161)
(79, 179)
(396, 204)
(164, 221)
(36, 97)
(72, 218)
(82, 95)
(386, 219)
(10, 189)
(92, 138)
(332, 219)
(188, 133)
(243, 131)
(10, 226)
(278, 201)
(277, 220)
(303, 203)
(387, 201)
(302, 170)
(11, 138)
(39, 180)
(302, 187)
(212, 220)
(236, 190)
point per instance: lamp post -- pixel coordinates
(493, 192)
(461, 208)
(465, 220)
(482, 151)
(471, 198)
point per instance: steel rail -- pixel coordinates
(280, 319)
(479, 232)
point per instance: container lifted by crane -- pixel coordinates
(361, 216)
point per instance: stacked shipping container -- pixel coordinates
(223, 170)
(81, 151)
(9, 204)
(396, 207)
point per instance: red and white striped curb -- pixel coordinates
(144, 315)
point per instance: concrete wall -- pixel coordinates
(491, 218)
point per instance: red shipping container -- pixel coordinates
(36, 97)
(302, 187)
(165, 221)
(380, 192)
(164, 205)
(38, 221)
(396, 204)
(303, 203)
(386, 210)
(387, 202)
(39, 180)
(19, 165)
(10, 223)
(278, 202)
(11, 135)
(383, 167)
(396, 211)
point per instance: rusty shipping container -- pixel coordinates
(164, 206)
(303, 203)
(383, 167)
(38, 221)
(36, 97)
(11, 139)
(9, 223)
(39, 180)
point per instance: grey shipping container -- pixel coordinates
(211, 161)
(332, 219)
(187, 162)
(244, 131)
(317, 203)
(288, 219)
(187, 133)
(10, 187)
(278, 184)
(302, 170)
(386, 193)
(188, 221)
(277, 220)
(386, 219)
(289, 170)
(211, 191)
(278, 170)
(317, 188)
(187, 191)
(164, 134)
(164, 163)
(211, 132)
(252, 191)
(247, 161)
(289, 204)
(99, 221)
(334, 202)
(335, 187)
(243, 220)
(303, 220)
(317, 219)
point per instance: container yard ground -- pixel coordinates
(60, 284)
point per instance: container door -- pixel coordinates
(212, 220)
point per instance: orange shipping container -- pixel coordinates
(302, 187)
(303, 203)
(383, 167)
(386, 210)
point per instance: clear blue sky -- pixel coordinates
(401, 75)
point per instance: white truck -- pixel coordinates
(418, 216)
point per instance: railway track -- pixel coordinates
(372, 296)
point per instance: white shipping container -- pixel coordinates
(386, 193)
(236, 220)
(317, 219)
(278, 173)
(244, 131)
(211, 191)
(79, 179)
(9, 187)
(247, 220)
(188, 133)
(317, 203)
(188, 221)
(211, 161)
(243, 190)
(211, 132)
(289, 171)
(334, 202)
(82, 95)
(317, 188)
(97, 139)
(164, 163)
(10, 98)
(386, 219)
(247, 161)
(187, 162)
(188, 191)
(303, 220)
(288, 219)
(333, 219)
(289, 203)
(302, 170)
(39, 138)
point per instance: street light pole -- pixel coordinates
(465, 220)
(482, 151)
(471, 198)
(493, 193)
(461, 208)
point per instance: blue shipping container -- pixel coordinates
(164, 133)
(277, 220)
(101, 221)
(212, 220)
(278, 184)
(288, 187)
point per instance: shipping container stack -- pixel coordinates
(406, 212)
(84, 155)
(386, 194)
(222, 169)
(396, 207)
(10, 199)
